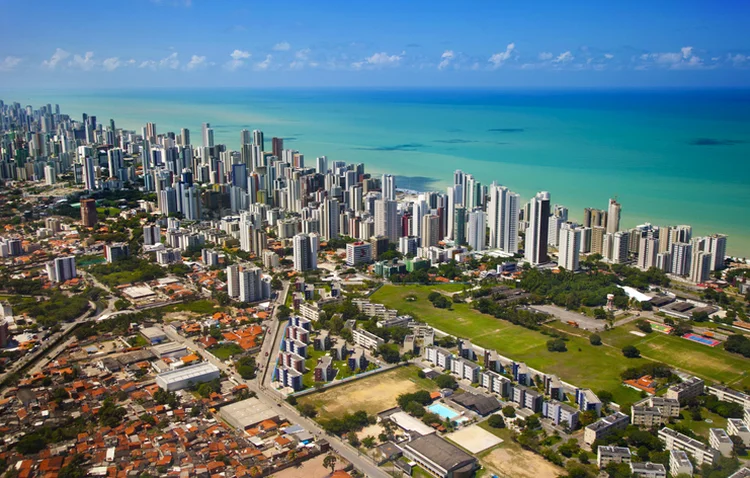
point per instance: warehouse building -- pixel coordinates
(187, 376)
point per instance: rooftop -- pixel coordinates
(440, 451)
(186, 373)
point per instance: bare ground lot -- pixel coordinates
(519, 463)
(312, 468)
(372, 394)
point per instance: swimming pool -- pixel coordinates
(446, 413)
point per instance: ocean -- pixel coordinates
(669, 156)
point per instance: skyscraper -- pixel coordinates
(717, 247)
(700, 266)
(430, 226)
(681, 253)
(502, 212)
(88, 213)
(329, 219)
(305, 249)
(208, 136)
(570, 247)
(613, 216)
(476, 230)
(648, 249)
(258, 139)
(89, 174)
(321, 164)
(535, 247)
(459, 228)
(250, 284)
(246, 137)
(233, 281)
(388, 185)
(386, 219)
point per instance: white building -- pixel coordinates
(305, 247)
(612, 454)
(476, 230)
(62, 269)
(185, 376)
(358, 253)
(570, 247)
(647, 470)
(366, 339)
(703, 454)
(720, 439)
(679, 463)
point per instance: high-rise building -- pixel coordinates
(648, 249)
(597, 239)
(535, 247)
(700, 267)
(62, 269)
(329, 219)
(613, 216)
(89, 173)
(305, 247)
(277, 146)
(250, 284)
(89, 217)
(459, 226)
(502, 212)
(620, 246)
(430, 234)
(208, 136)
(717, 247)
(233, 280)
(476, 230)
(151, 234)
(388, 186)
(681, 253)
(386, 219)
(321, 164)
(594, 217)
(246, 137)
(258, 139)
(569, 247)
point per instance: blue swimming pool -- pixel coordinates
(445, 413)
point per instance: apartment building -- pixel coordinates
(605, 426)
(647, 470)
(686, 390)
(494, 382)
(727, 394)
(612, 454)
(587, 400)
(465, 369)
(703, 454)
(366, 339)
(654, 411)
(439, 356)
(679, 463)
(561, 413)
(720, 439)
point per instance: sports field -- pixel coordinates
(584, 365)
(372, 394)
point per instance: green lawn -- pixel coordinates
(710, 363)
(202, 306)
(597, 368)
(225, 351)
(701, 427)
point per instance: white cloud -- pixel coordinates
(302, 54)
(684, 59)
(564, 57)
(498, 59)
(58, 56)
(739, 59)
(196, 62)
(545, 55)
(265, 64)
(302, 60)
(85, 62)
(9, 63)
(111, 64)
(148, 64)
(445, 59)
(378, 60)
(170, 62)
(240, 55)
(283, 46)
(608, 56)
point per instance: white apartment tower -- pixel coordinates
(502, 214)
(570, 246)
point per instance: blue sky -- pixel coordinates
(54, 44)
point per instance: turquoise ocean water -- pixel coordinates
(670, 157)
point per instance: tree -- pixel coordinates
(283, 312)
(416, 409)
(74, 469)
(588, 417)
(556, 345)
(496, 421)
(630, 351)
(605, 396)
(308, 410)
(644, 326)
(509, 411)
(600, 314)
(595, 339)
(368, 441)
(330, 462)
(583, 457)
(389, 352)
(446, 381)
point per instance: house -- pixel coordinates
(612, 454)
(440, 458)
(647, 470)
(604, 427)
(702, 454)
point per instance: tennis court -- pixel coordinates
(701, 340)
(664, 329)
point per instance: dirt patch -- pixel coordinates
(372, 394)
(312, 468)
(518, 463)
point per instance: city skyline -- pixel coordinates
(186, 43)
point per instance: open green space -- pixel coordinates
(226, 351)
(584, 365)
(202, 306)
(701, 427)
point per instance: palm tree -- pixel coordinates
(330, 462)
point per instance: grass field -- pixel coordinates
(701, 427)
(597, 368)
(584, 365)
(225, 351)
(372, 394)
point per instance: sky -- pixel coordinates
(384, 43)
